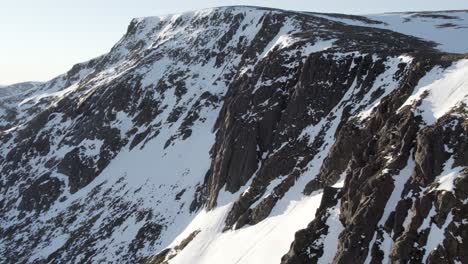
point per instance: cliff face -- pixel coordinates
(241, 134)
(402, 198)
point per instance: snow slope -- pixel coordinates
(440, 91)
(226, 126)
(449, 29)
(265, 242)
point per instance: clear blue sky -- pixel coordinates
(40, 39)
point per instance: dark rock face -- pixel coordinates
(367, 189)
(110, 161)
(303, 106)
(441, 207)
(41, 194)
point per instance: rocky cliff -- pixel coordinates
(242, 135)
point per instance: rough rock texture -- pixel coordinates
(375, 152)
(111, 161)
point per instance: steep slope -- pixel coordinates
(215, 135)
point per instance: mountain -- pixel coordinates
(446, 28)
(243, 135)
(13, 89)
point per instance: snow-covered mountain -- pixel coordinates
(446, 28)
(245, 135)
(13, 89)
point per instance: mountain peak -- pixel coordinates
(244, 134)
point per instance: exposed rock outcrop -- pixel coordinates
(237, 113)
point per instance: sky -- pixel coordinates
(40, 39)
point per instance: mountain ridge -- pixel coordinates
(282, 10)
(215, 129)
